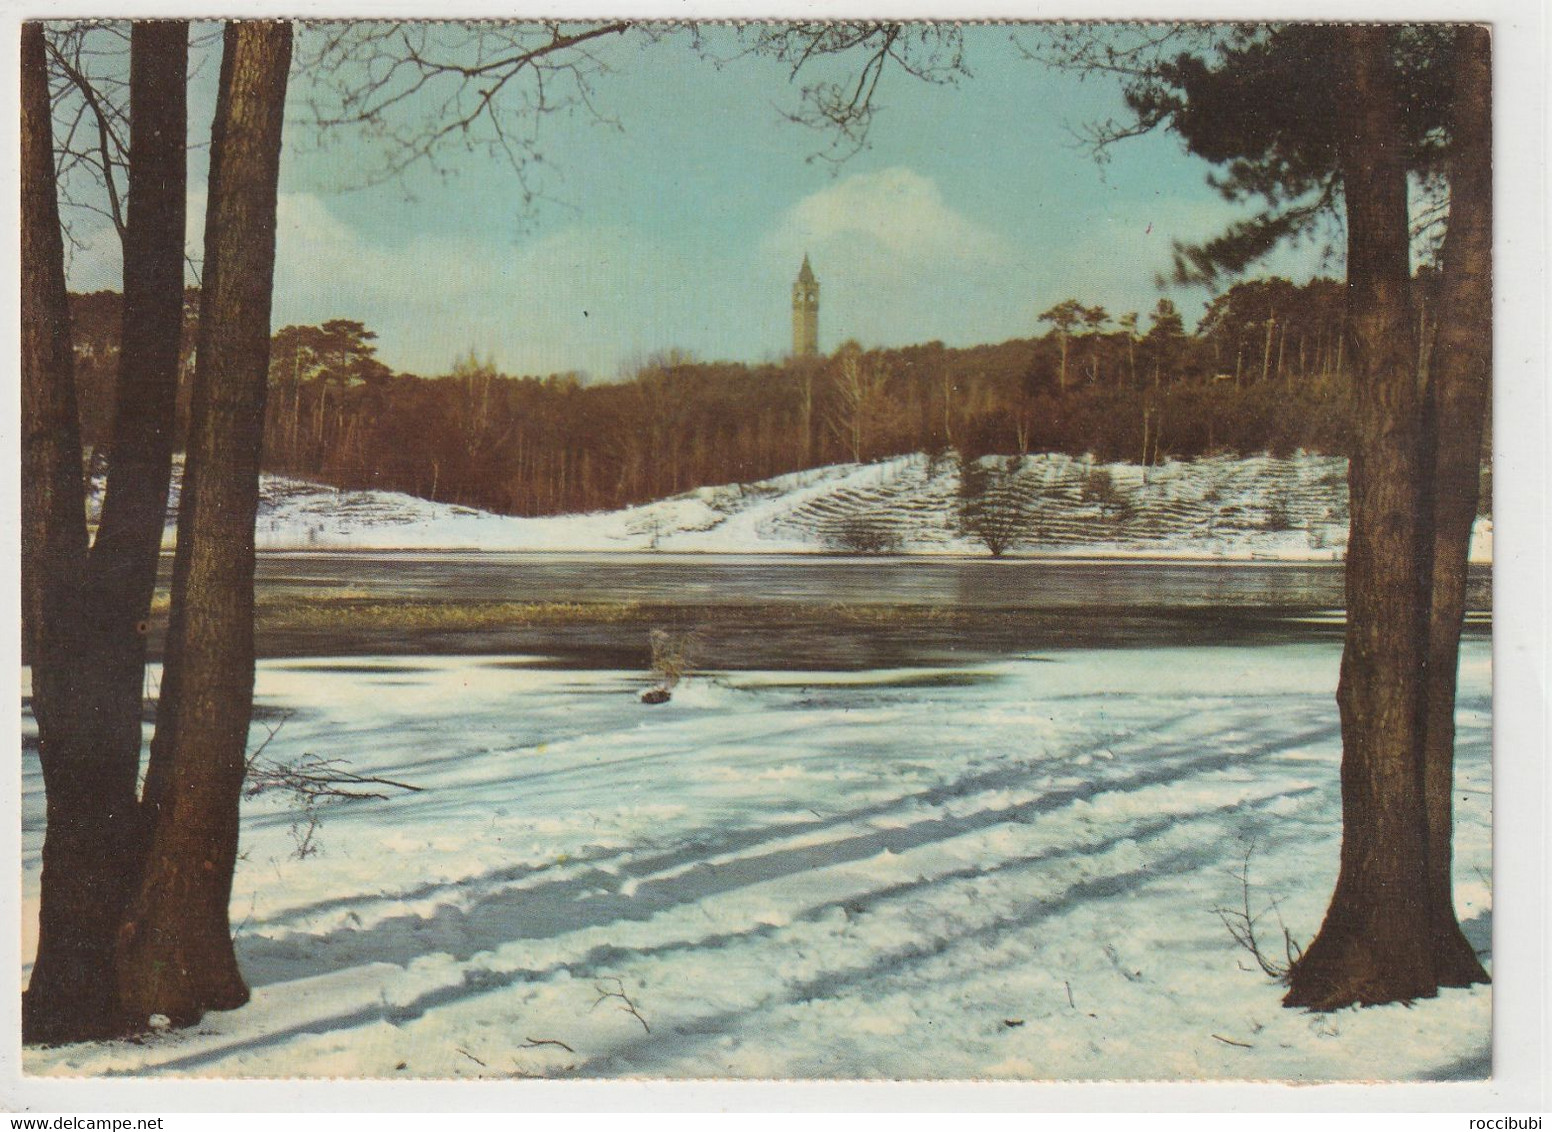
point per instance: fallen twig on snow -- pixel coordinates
(312, 782)
(628, 1006)
(315, 778)
(1232, 1042)
(529, 1043)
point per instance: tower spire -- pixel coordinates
(805, 312)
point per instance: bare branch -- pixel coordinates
(530, 1043)
(627, 1006)
(92, 89)
(417, 88)
(844, 106)
(1132, 51)
(1241, 923)
(317, 779)
(1135, 54)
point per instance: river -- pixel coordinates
(758, 611)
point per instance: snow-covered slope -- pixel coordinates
(1217, 507)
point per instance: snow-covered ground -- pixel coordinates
(999, 868)
(1002, 870)
(1216, 507)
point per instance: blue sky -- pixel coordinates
(972, 210)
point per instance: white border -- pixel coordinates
(1521, 955)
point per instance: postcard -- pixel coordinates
(846, 551)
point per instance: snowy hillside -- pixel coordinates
(1220, 507)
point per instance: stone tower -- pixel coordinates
(805, 313)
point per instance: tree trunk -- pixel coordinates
(176, 954)
(1462, 376)
(121, 573)
(66, 994)
(92, 730)
(1376, 944)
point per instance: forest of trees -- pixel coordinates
(1263, 372)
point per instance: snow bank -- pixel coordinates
(1262, 507)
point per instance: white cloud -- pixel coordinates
(893, 214)
(897, 263)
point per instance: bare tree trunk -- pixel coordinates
(129, 538)
(176, 954)
(1376, 942)
(123, 563)
(1462, 376)
(806, 412)
(947, 384)
(66, 995)
(93, 734)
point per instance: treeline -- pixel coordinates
(1263, 372)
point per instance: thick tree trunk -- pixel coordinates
(1376, 944)
(1462, 360)
(121, 569)
(176, 954)
(91, 728)
(67, 995)
(123, 562)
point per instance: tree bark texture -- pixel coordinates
(176, 954)
(123, 562)
(88, 653)
(66, 992)
(1375, 944)
(1461, 377)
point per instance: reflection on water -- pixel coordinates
(785, 612)
(762, 579)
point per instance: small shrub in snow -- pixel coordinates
(862, 531)
(992, 509)
(1241, 922)
(671, 663)
(1099, 487)
(650, 526)
(1276, 517)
